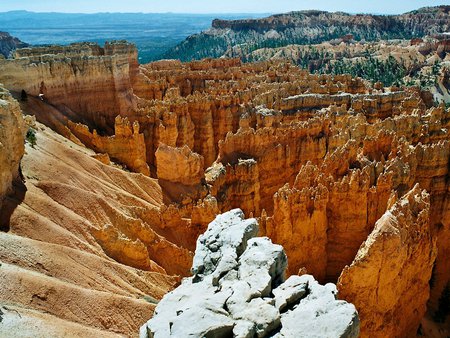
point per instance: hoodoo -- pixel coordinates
(223, 197)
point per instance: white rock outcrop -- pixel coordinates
(238, 289)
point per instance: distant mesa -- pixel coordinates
(307, 27)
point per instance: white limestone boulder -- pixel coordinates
(239, 290)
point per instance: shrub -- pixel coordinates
(31, 137)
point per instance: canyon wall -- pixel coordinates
(239, 38)
(86, 83)
(126, 145)
(12, 137)
(318, 159)
(396, 260)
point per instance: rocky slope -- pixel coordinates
(319, 159)
(75, 271)
(239, 289)
(8, 44)
(307, 27)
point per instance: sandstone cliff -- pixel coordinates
(317, 158)
(179, 165)
(12, 133)
(126, 145)
(86, 83)
(241, 37)
(396, 261)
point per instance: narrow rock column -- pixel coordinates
(389, 279)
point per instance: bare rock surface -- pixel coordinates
(11, 141)
(396, 260)
(9, 43)
(179, 165)
(316, 157)
(239, 288)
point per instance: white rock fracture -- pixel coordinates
(238, 289)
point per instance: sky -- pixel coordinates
(215, 6)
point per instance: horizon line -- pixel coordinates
(210, 13)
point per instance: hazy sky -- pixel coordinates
(215, 6)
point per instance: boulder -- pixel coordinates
(239, 289)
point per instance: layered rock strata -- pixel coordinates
(396, 260)
(127, 145)
(241, 37)
(239, 289)
(316, 157)
(12, 136)
(86, 83)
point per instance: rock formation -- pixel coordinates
(317, 158)
(241, 37)
(88, 84)
(12, 132)
(422, 63)
(179, 165)
(8, 44)
(396, 261)
(96, 259)
(239, 289)
(127, 145)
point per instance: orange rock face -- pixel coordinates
(12, 132)
(126, 146)
(388, 279)
(87, 218)
(179, 165)
(317, 158)
(99, 76)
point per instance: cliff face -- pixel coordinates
(396, 260)
(12, 132)
(423, 21)
(8, 44)
(339, 201)
(317, 158)
(307, 27)
(179, 165)
(126, 145)
(86, 83)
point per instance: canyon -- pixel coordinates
(131, 163)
